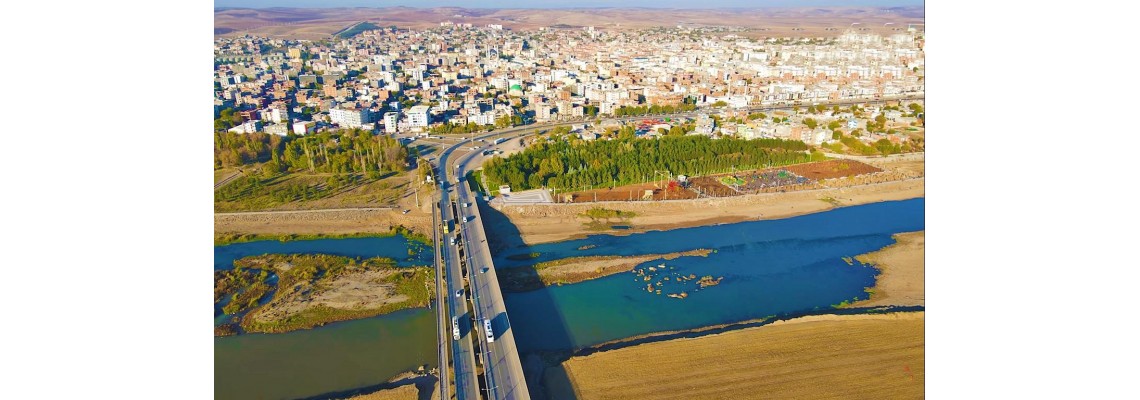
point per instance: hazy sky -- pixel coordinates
(565, 3)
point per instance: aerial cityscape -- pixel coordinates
(568, 203)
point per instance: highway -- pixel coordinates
(483, 369)
(463, 354)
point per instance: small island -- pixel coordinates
(276, 293)
(578, 269)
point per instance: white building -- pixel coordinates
(350, 118)
(391, 119)
(419, 116)
(304, 127)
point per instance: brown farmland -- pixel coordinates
(855, 356)
(634, 192)
(831, 169)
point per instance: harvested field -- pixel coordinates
(630, 192)
(831, 169)
(854, 356)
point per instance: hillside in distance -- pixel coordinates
(318, 23)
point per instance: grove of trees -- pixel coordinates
(341, 151)
(576, 165)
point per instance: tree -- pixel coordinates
(811, 123)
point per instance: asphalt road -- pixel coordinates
(503, 374)
(463, 354)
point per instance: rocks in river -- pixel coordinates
(658, 292)
(647, 277)
(666, 278)
(649, 288)
(651, 269)
(708, 280)
(678, 295)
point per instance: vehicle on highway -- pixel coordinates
(487, 328)
(453, 241)
(465, 204)
(485, 269)
(466, 219)
(455, 328)
(459, 293)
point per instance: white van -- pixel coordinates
(487, 328)
(455, 327)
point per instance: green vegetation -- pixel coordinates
(811, 123)
(580, 165)
(731, 181)
(470, 127)
(602, 213)
(339, 151)
(647, 110)
(306, 168)
(221, 239)
(356, 30)
(314, 272)
(474, 183)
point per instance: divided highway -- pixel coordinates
(486, 365)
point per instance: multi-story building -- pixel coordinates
(419, 116)
(350, 118)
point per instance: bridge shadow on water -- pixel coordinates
(545, 379)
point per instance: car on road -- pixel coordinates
(487, 328)
(455, 328)
(484, 270)
(453, 241)
(464, 204)
(459, 293)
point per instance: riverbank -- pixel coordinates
(311, 290)
(863, 356)
(902, 266)
(321, 223)
(578, 269)
(558, 222)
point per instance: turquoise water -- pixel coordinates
(333, 358)
(395, 247)
(769, 267)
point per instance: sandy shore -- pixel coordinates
(406, 392)
(558, 222)
(901, 281)
(829, 356)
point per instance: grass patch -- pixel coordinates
(474, 183)
(257, 193)
(221, 239)
(603, 213)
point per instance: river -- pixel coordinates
(333, 358)
(768, 267)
